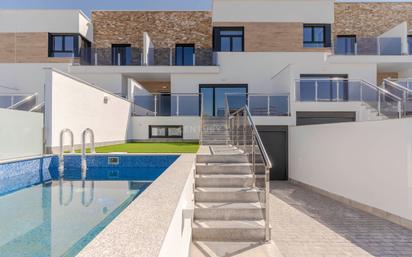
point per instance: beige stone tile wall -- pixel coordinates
(385, 75)
(27, 48)
(370, 19)
(166, 28)
(272, 36)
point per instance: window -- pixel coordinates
(345, 45)
(121, 54)
(227, 39)
(185, 54)
(165, 131)
(410, 44)
(316, 35)
(63, 45)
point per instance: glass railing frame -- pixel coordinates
(381, 93)
(268, 104)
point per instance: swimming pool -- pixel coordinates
(44, 215)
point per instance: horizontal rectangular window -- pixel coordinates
(165, 131)
(66, 45)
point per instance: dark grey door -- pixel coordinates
(275, 140)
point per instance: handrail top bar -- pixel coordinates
(23, 101)
(381, 89)
(259, 140)
(259, 94)
(394, 84)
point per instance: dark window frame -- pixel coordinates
(214, 86)
(123, 61)
(167, 131)
(326, 35)
(183, 55)
(347, 36)
(76, 45)
(217, 38)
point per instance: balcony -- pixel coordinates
(130, 56)
(371, 46)
(170, 105)
(345, 90)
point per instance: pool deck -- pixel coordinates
(141, 228)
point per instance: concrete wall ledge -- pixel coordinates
(141, 229)
(354, 204)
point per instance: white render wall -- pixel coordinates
(42, 20)
(307, 11)
(140, 126)
(258, 70)
(21, 134)
(77, 105)
(368, 162)
(26, 78)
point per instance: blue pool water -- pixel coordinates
(43, 215)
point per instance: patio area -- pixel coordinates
(305, 223)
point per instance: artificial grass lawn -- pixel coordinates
(149, 148)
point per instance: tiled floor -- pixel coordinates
(305, 223)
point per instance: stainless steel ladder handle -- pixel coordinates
(87, 131)
(61, 154)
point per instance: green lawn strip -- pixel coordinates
(149, 148)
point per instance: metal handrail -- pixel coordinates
(394, 84)
(87, 131)
(61, 153)
(266, 159)
(37, 107)
(235, 118)
(28, 98)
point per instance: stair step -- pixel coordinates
(228, 231)
(228, 168)
(224, 158)
(229, 211)
(228, 194)
(219, 180)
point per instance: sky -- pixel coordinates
(88, 5)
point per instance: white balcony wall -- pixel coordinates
(191, 126)
(306, 11)
(25, 78)
(42, 20)
(258, 71)
(367, 162)
(21, 134)
(75, 104)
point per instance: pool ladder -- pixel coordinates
(86, 132)
(61, 154)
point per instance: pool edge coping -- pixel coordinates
(151, 222)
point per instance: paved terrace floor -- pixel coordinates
(305, 223)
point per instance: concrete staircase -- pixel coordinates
(227, 204)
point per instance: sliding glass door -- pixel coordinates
(214, 102)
